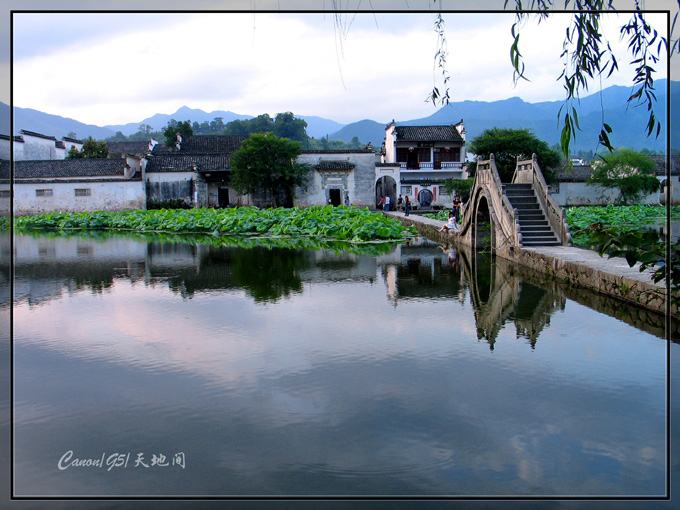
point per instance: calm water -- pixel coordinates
(280, 371)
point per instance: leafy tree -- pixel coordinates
(629, 171)
(72, 134)
(508, 144)
(145, 128)
(461, 186)
(91, 149)
(170, 131)
(287, 126)
(267, 163)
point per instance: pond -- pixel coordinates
(145, 367)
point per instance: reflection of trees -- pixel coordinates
(266, 274)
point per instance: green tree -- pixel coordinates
(170, 131)
(508, 144)
(629, 171)
(461, 186)
(91, 149)
(266, 163)
(287, 126)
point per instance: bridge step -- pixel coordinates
(533, 225)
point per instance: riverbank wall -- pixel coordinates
(576, 267)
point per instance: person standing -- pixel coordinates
(455, 209)
(387, 203)
(407, 206)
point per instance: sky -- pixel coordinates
(115, 67)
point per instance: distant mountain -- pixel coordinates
(365, 130)
(46, 124)
(160, 120)
(318, 127)
(628, 122)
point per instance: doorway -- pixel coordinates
(222, 197)
(334, 196)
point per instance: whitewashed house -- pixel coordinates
(32, 146)
(71, 185)
(426, 157)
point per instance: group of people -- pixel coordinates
(454, 215)
(404, 203)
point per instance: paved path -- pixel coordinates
(616, 266)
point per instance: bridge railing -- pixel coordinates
(528, 172)
(506, 216)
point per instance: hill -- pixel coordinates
(628, 122)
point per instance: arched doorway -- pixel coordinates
(385, 186)
(425, 198)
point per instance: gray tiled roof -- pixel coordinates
(38, 135)
(179, 162)
(577, 173)
(221, 144)
(428, 134)
(85, 167)
(135, 147)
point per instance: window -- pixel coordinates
(5, 193)
(406, 190)
(43, 193)
(83, 192)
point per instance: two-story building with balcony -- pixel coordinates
(426, 156)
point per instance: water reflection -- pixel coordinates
(500, 292)
(410, 369)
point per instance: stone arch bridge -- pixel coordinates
(504, 217)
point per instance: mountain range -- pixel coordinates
(627, 121)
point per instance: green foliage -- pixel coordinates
(508, 144)
(170, 131)
(265, 162)
(91, 149)
(461, 186)
(629, 171)
(284, 125)
(624, 218)
(331, 223)
(618, 231)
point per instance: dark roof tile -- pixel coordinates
(428, 134)
(84, 167)
(178, 162)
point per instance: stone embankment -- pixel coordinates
(577, 267)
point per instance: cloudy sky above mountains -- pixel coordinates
(111, 68)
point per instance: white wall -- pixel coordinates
(104, 196)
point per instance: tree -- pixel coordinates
(267, 163)
(508, 144)
(287, 126)
(627, 170)
(170, 131)
(91, 149)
